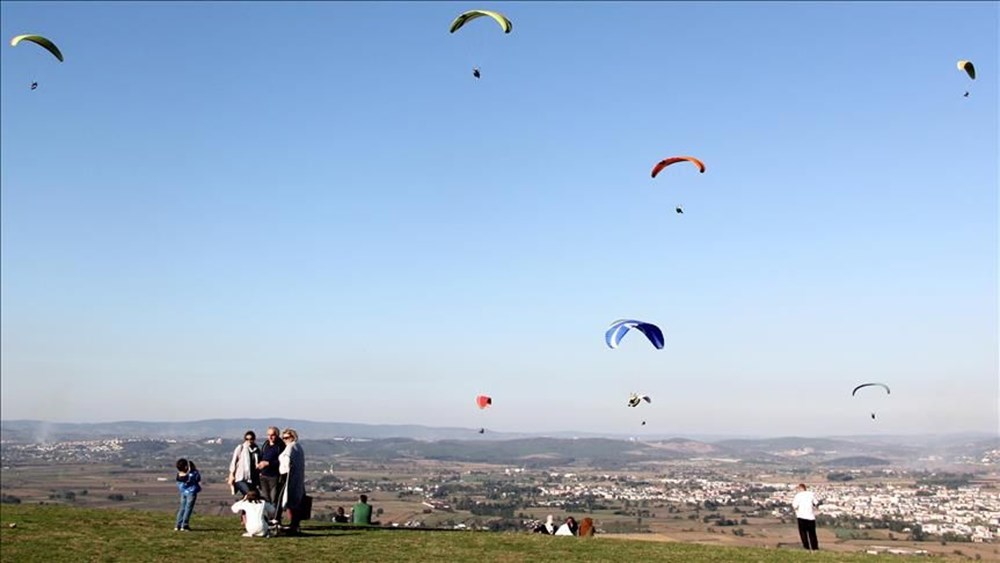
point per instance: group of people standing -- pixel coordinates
(269, 479)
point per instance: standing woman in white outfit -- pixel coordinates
(292, 468)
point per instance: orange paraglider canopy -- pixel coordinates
(674, 159)
(483, 401)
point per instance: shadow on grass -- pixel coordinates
(316, 534)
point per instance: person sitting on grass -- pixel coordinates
(362, 512)
(255, 514)
(568, 527)
(547, 528)
(339, 516)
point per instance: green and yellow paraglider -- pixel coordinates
(465, 17)
(41, 41)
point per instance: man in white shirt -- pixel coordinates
(803, 504)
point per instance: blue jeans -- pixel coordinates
(243, 487)
(184, 512)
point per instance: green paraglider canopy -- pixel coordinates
(473, 14)
(39, 40)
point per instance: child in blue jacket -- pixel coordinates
(189, 485)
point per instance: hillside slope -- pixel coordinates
(55, 533)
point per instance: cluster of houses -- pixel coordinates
(964, 511)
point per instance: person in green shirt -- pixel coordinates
(362, 512)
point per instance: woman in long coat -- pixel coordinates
(292, 467)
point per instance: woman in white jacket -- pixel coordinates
(292, 468)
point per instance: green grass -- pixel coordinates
(58, 533)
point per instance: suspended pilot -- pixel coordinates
(482, 430)
(965, 95)
(35, 85)
(680, 210)
(643, 422)
(873, 416)
(475, 71)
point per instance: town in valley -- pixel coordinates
(886, 495)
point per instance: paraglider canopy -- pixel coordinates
(968, 67)
(38, 40)
(473, 14)
(634, 399)
(863, 385)
(675, 159)
(617, 331)
(483, 401)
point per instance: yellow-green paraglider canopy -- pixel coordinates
(473, 14)
(38, 40)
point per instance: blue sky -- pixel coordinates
(313, 210)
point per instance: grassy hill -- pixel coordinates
(55, 533)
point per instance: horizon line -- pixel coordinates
(540, 434)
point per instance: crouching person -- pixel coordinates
(255, 512)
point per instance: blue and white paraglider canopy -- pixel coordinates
(618, 329)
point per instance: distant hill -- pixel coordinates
(822, 448)
(385, 441)
(855, 461)
(43, 431)
(689, 447)
(40, 431)
(526, 452)
(789, 443)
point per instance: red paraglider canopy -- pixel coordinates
(483, 401)
(667, 162)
